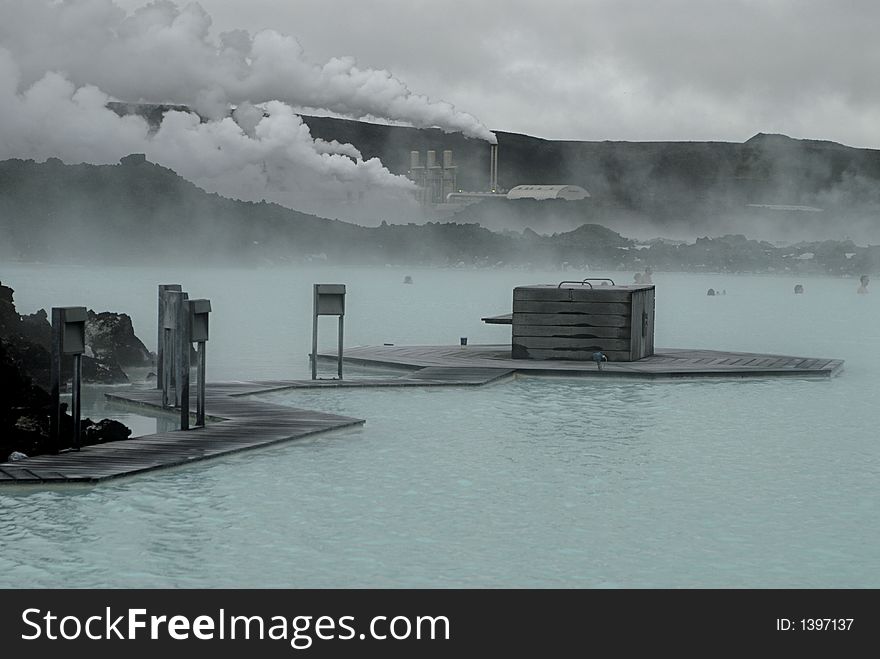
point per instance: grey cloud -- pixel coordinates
(613, 69)
(165, 53)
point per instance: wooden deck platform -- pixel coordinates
(666, 362)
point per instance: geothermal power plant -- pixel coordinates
(437, 181)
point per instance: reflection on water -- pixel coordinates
(141, 421)
(534, 482)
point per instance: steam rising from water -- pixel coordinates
(61, 62)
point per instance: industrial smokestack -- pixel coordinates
(493, 167)
(432, 159)
(413, 159)
(448, 176)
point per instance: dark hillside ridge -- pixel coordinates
(771, 169)
(765, 169)
(802, 188)
(770, 186)
(139, 212)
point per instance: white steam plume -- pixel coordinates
(61, 62)
(273, 157)
(164, 54)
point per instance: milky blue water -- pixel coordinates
(533, 482)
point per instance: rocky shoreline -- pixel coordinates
(25, 404)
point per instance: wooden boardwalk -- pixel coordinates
(666, 362)
(434, 376)
(235, 423)
(238, 424)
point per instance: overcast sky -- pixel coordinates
(559, 69)
(608, 69)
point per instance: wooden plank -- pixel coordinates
(571, 294)
(560, 319)
(666, 362)
(524, 353)
(10, 472)
(571, 330)
(637, 334)
(571, 343)
(504, 319)
(463, 375)
(586, 308)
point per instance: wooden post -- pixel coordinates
(160, 342)
(77, 400)
(314, 355)
(55, 380)
(200, 395)
(167, 381)
(329, 300)
(339, 349)
(68, 338)
(182, 350)
(173, 303)
(197, 313)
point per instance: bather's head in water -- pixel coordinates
(863, 284)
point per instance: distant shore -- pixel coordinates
(138, 212)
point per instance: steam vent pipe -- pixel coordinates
(493, 167)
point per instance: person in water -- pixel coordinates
(637, 278)
(863, 285)
(646, 278)
(798, 289)
(711, 291)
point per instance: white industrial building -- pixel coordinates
(567, 192)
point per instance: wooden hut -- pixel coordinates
(574, 320)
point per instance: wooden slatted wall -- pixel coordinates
(573, 322)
